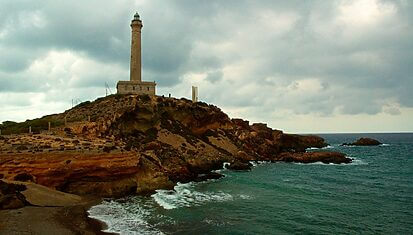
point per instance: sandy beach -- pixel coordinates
(50, 220)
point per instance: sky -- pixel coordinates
(300, 66)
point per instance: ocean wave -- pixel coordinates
(350, 146)
(257, 163)
(254, 163)
(358, 146)
(354, 162)
(223, 169)
(124, 218)
(315, 163)
(245, 197)
(185, 195)
(314, 148)
(358, 162)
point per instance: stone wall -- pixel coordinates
(132, 87)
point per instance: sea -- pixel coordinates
(372, 195)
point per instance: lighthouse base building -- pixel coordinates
(136, 85)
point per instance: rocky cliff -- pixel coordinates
(124, 144)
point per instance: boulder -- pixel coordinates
(11, 196)
(239, 166)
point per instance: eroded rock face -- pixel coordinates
(364, 142)
(137, 144)
(79, 173)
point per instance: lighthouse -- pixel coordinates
(136, 49)
(135, 85)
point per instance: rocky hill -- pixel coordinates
(124, 144)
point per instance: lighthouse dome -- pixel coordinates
(136, 16)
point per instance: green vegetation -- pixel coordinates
(116, 96)
(39, 124)
(85, 103)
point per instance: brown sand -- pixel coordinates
(50, 220)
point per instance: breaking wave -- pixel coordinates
(355, 161)
(125, 216)
(327, 147)
(185, 195)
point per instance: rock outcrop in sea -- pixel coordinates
(127, 144)
(364, 142)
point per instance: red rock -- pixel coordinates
(364, 142)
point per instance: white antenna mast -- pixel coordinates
(107, 89)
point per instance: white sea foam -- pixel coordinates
(350, 146)
(224, 168)
(216, 222)
(218, 171)
(314, 148)
(358, 162)
(383, 145)
(185, 195)
(314, 163)
(245, 197)
(129, 218)
(354, 162)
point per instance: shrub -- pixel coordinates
(83, 104)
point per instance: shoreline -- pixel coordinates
(81, 216)
(95, 224)
(52, 220)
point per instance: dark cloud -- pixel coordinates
(215, 76)
(303, 56)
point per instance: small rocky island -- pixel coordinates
(363, 142)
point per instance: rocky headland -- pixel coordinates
(135, 144)
(125, 144)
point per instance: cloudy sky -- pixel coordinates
(300, 66)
